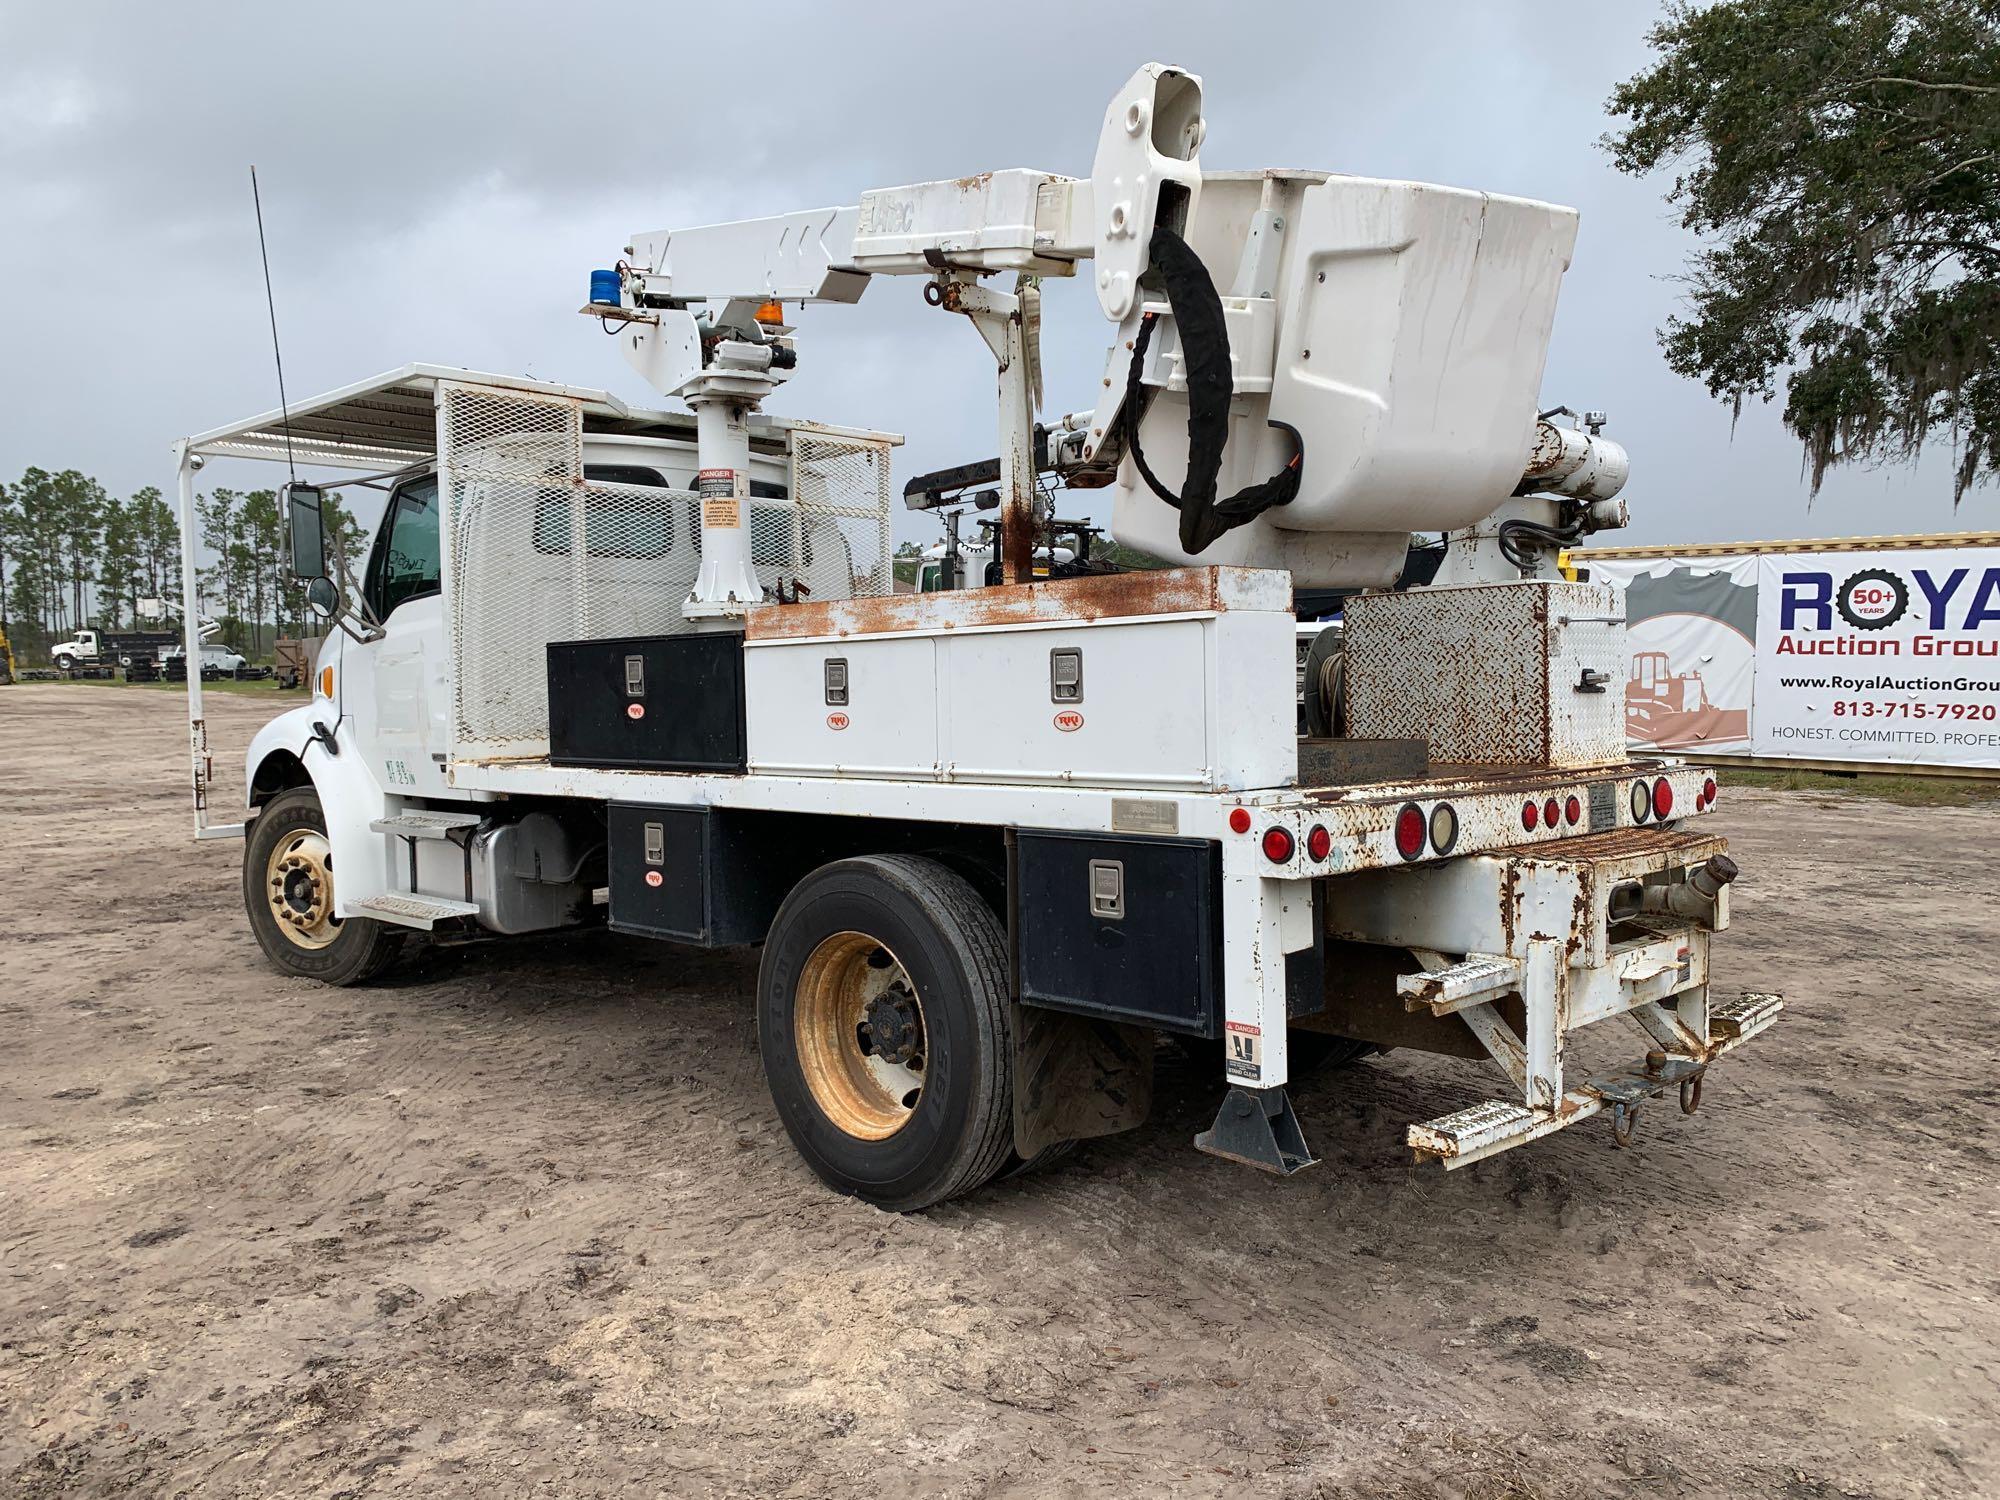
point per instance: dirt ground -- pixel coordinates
(520, 1220)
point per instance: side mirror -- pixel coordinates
(305, 524)
(323, 597)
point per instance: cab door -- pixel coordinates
(397, 690)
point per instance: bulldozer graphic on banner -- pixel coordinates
(1670, 709)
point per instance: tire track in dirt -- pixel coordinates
(521, 1217)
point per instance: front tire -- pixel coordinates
(288, 892)
(883, 1025)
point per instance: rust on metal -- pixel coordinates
(1657, 847)
(1547, 451)
(1017, 535)
(1168, 591)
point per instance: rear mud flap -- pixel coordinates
(1077, 1078)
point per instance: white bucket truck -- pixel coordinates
(626, 666)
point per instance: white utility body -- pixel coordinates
(610, 664)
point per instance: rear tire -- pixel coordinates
(883, 1025)
(288, 892)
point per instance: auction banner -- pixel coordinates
(1879, 656)
(1889, 657)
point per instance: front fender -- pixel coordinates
(349, 796)
(285, 737)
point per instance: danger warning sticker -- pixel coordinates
(722, 492)
(1244, 1050)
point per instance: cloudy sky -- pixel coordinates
(439, 179)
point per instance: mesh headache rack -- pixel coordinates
(534, 549)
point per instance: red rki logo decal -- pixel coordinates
(836, 721)
(1069, 721)
(635, 710)
(654, 878)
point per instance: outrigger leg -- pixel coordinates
(1257, 1127)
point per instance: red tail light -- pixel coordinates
(1239, 820)
(1552, 812)
(1663, 798)
(1531, 815)
(1278, 845)
(1319, 843)
(1410, 831)
(1708, 790)
(1573, 812)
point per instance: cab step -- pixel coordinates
(1474, 980)
(411, 911)
(424, 823)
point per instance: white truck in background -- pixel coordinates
(217, 660)
(134, 651)
(625, 666)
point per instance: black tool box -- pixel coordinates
(648, 703)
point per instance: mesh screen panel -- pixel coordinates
(841, 489)
(536, 553)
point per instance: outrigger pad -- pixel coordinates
(1257, 1127)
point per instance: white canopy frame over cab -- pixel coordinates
(392, 424)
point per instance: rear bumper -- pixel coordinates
(1523, 947)
(1484, 1130)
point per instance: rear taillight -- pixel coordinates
(1531, 815)
(1410, 830)
(1663, 798)
(1319, 843)
(1708, 790)
(1573, 812)
(1642, 802)
(1552, 812)
(1239, 820)
(1277, 845)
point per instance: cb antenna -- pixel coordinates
(270, 302)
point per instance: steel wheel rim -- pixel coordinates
(850, 988)
(298, 887)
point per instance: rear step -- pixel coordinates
(411, 911)
(1483, 1130)
(1474, 980)
(423, 823)
(1745, 1017)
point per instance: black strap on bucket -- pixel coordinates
(1205, 350)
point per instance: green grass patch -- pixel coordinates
(266, 687)
(1906, 791)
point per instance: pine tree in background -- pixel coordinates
(118, 566)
